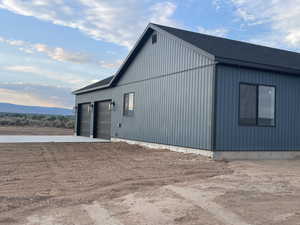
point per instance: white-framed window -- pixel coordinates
(128, 106)
(257, 106)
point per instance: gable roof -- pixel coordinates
(221, 50)
(231, 51)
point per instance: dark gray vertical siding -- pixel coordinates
(231, 136)
(173, 96)
(167, 56)
(171, 110)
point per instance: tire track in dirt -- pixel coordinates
(67, 161)
(88, 196)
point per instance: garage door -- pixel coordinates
(102, 120)
(84, 120)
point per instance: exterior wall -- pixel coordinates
(232, 137)
(173, 96)
(167, 56)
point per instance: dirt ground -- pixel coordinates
(121, 184)
(12, 130)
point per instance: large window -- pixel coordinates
(257, 105)
(128, 108)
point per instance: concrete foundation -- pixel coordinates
(220, 155)
(206, 153)
(256, 155)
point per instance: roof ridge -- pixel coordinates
(228, 39)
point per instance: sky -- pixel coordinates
(50, 47)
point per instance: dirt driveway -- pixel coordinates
(120, 184)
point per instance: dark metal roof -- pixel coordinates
(223, 50)
(237, 52)
(99, 84)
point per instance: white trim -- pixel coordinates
(219, 155)
(206, 153)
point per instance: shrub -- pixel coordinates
(37, 120)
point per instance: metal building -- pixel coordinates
(215, 96)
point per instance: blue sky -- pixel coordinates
(51, 47)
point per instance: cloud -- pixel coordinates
(55, 53)
(117, 21)
(61, 54)
(281, 16)
(36, 95)
(72, 80)
(216, 4)
(266, 40)
(110, 65)
(12, 42)
(220, 32)
(162, 13)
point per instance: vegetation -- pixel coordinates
(36, 120)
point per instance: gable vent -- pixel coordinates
(154, 38)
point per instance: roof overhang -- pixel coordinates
(273, 68)
(79, 91)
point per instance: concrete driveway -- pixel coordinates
(47, 139)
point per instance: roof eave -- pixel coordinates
(76, 92)
(234, 62)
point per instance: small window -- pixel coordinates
(154, 38)
(257, 105)
(128, 104)
(266, 106)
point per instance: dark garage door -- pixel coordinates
(84, 120)
(102, 120)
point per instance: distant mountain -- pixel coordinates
(11, 108)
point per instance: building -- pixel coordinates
(190, 91)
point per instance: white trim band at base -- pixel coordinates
(206, 153)
(220, 155)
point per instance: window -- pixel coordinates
(248, 104)
(128, 108)
(257, 105)
(154, 38)
(266, 106)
